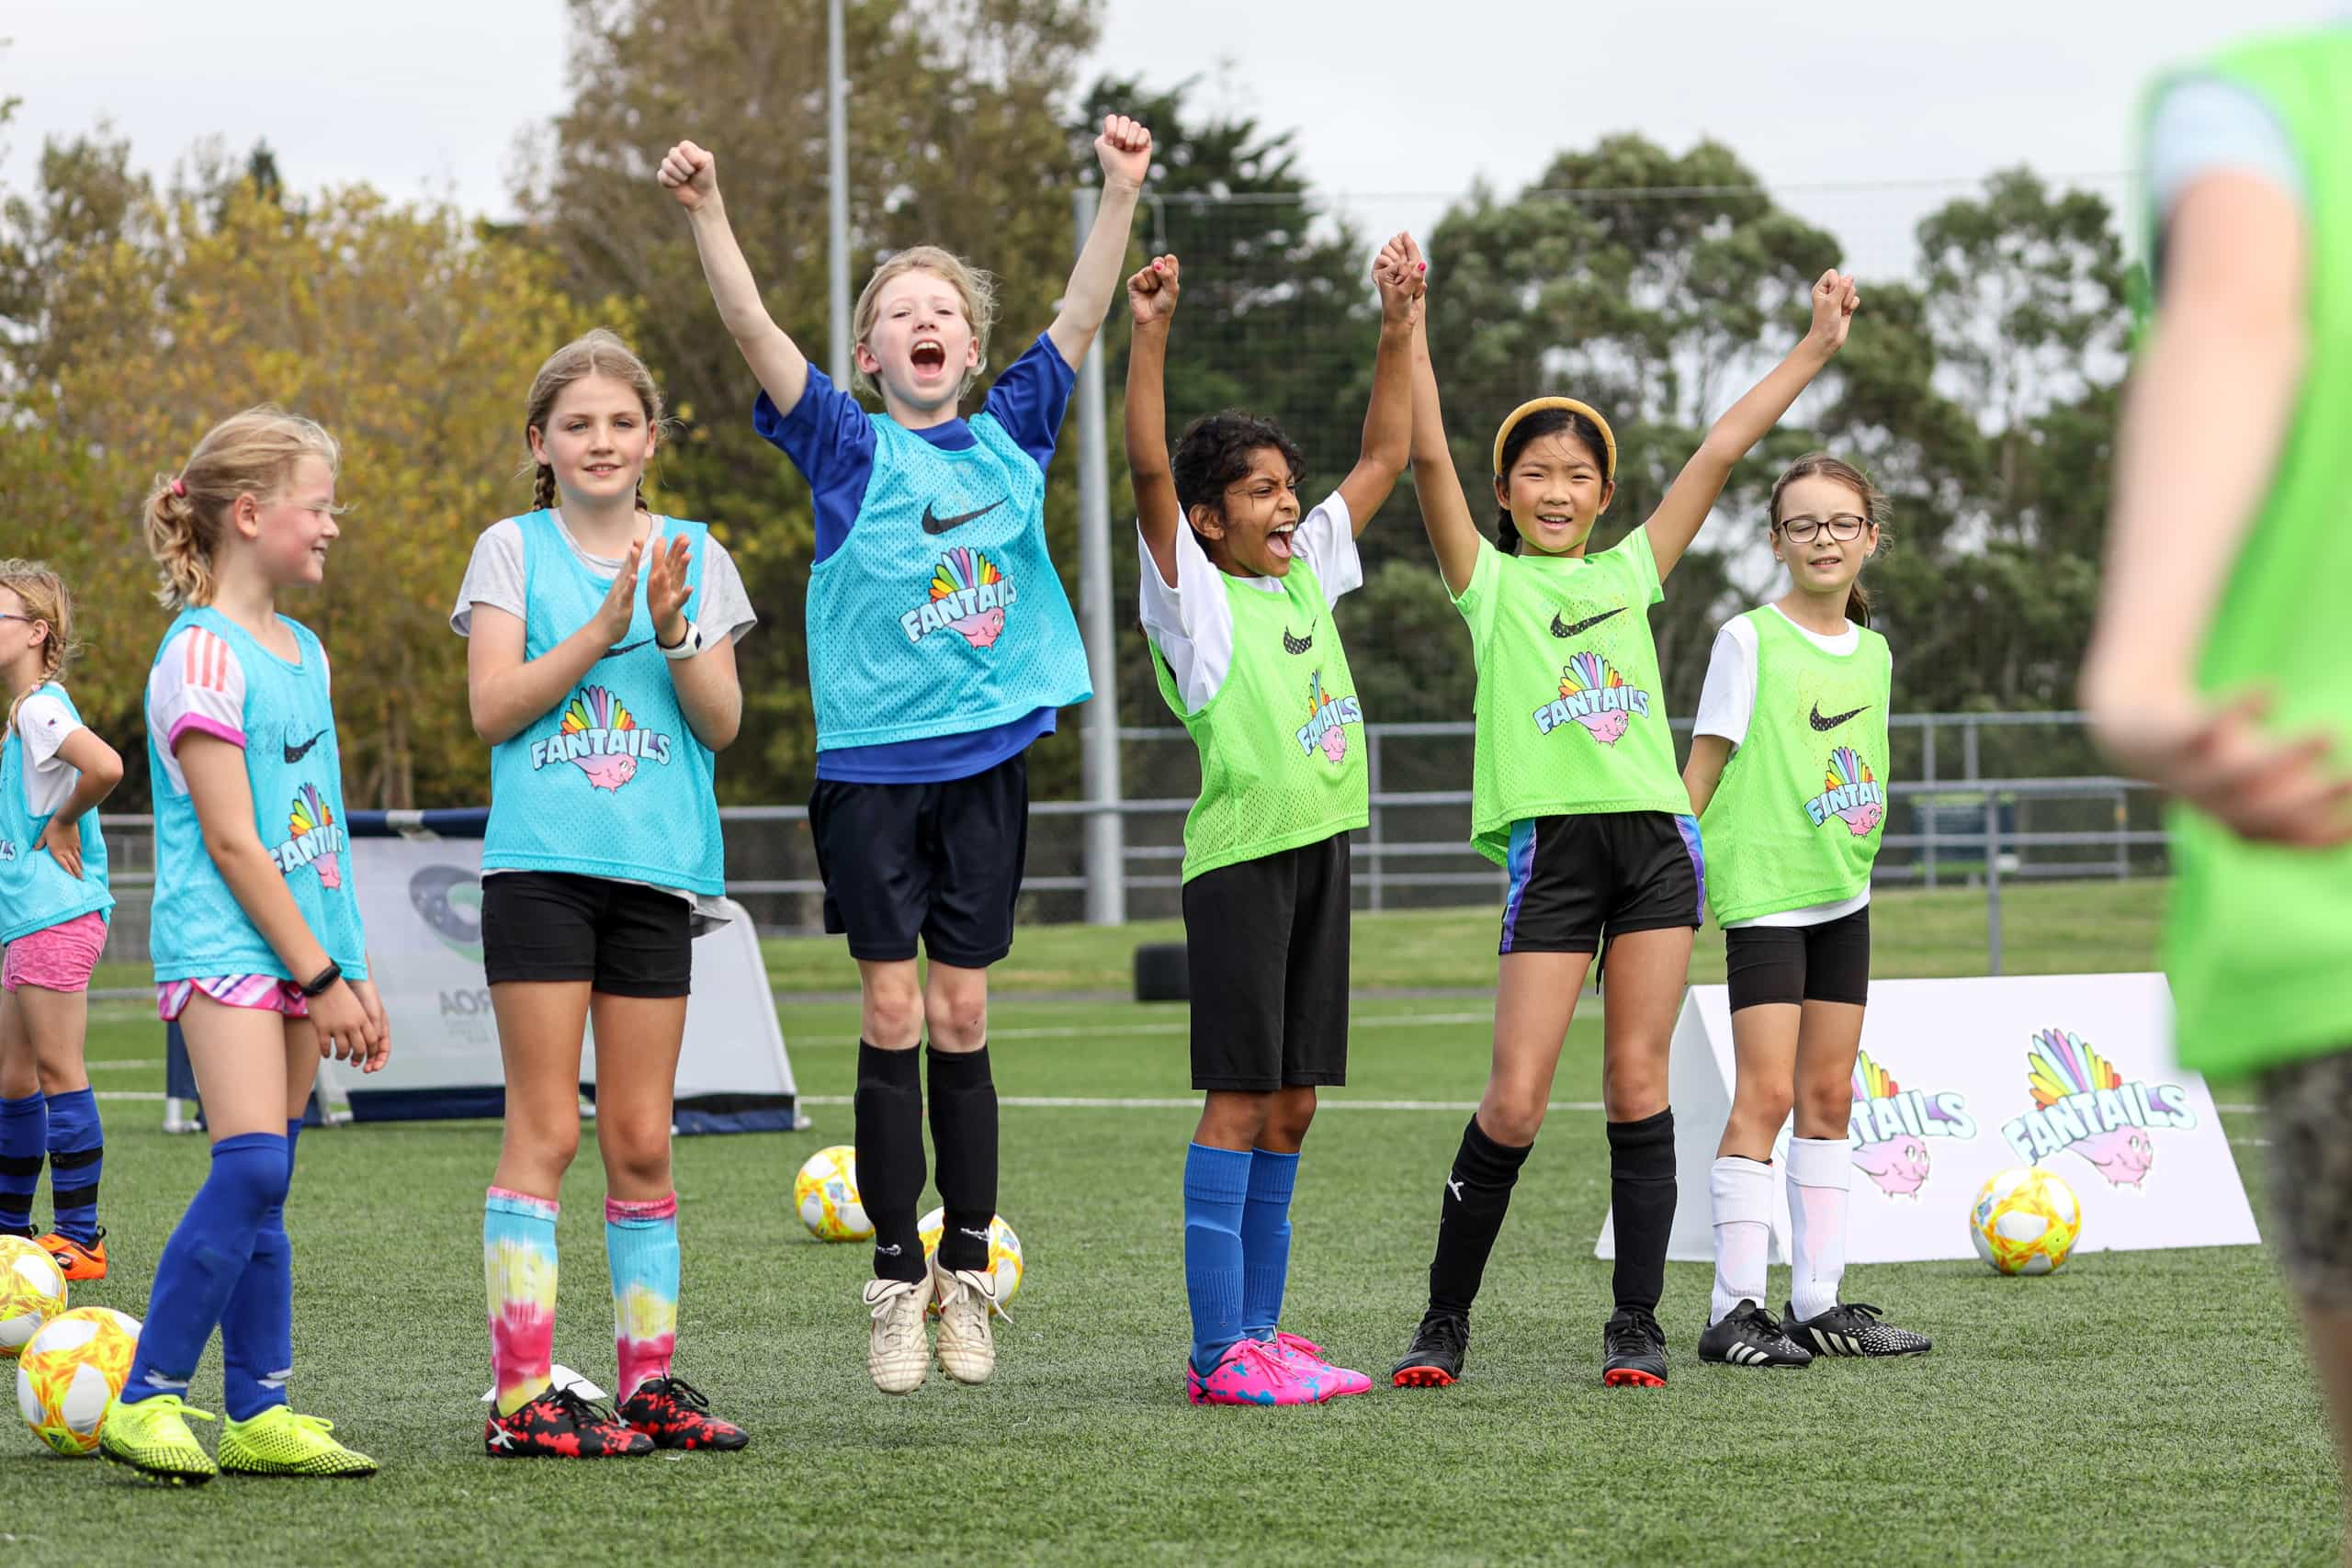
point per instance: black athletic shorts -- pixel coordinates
(624, 939)
(1266, 943)
(939, 861)
(1575, 878)
(1827, 963)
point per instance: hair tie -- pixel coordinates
(179, 489)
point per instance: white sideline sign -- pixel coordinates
(1961, 1079)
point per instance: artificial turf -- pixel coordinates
(2133, 1408)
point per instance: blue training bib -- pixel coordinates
(941, 613)
(35, 892)
(611, 781)
(294, 765)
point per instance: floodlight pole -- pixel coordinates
(1106, 855)
(837, 148)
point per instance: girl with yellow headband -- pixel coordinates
(1575, 793)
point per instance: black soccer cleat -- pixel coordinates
(561, 1423)
(1434, 1359)
(1633, 1349)
(1852, 1329)
(1748, 1337)
(675, 1415)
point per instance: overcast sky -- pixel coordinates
(1398, 106)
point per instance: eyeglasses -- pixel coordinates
(1844, 527)
(28, 620)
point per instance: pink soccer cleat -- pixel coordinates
(1252, 1372)
(1308, 1357)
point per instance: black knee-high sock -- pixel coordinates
(1477, 1194)
(890, 1157)
(963, 1133)
(1641, 1189)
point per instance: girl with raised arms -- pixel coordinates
(1574, 792)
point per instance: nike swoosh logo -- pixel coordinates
(1833, 721)
(295, 753)
(626, 647)
(1584, 626)
(1293, 643)
(933, 524)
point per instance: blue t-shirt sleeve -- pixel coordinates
(1031, 397)
(831, 441)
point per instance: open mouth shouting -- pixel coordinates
(929, 357)
(1278, 540)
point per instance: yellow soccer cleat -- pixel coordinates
(151, 1437)
(279, 1442)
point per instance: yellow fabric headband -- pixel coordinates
(1537, 405)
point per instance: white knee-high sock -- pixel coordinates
(1743, 1194)
(1819, 1170)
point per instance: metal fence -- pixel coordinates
(1978, 799)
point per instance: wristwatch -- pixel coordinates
(323, 979)
(685, 646)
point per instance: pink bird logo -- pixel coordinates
(1847, 771)
(596, 708)
(959, 571)
(309, 814)
(1591, 672)
(2061, 1064)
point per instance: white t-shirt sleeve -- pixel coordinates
(197, 685)
(1189, 621)
(1326, 538)
(1727, 698)
(493, 576)
(44, 724)
(722, 607)
(2206, 125)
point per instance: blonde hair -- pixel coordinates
(1821, 465)
(251, 454)
(599, 352)
(43, 594)
(976, 288)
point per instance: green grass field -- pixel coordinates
(2135, 1408)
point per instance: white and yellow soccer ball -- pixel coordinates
(32, 1292)
(826, 1194)
(1004, 1250)
(2025, 1220)
(68, 1377)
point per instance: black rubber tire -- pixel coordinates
(1161, 973)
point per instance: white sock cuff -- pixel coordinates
(1742, 1190)
(1820, 1162)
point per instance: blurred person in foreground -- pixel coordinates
(2221, 666)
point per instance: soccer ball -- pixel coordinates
(1004, 1250)
(826, 1194)
(2025, 1220)
(69, 1375)
(32, 1291)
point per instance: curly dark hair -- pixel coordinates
(1213, 452)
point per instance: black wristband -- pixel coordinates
(325, 977)
(666, 647)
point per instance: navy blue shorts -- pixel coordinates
(1575, 879)
(939, 864)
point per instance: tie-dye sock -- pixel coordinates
(1819, 1170)
(24, 1134)
(641, 1251)
(518, 1261)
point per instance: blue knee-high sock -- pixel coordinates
(1265, 1241)
(24, 1134)
(257, 1325)
(203, 1261)
(1216, 1184)
(76, 1154)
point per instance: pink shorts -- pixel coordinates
(267, 993)
(58, 958)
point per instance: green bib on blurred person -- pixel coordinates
(2258, 939)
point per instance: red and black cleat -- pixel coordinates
(674, 1413)
(559, 1423)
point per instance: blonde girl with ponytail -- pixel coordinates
(54, 772)
(259, 953)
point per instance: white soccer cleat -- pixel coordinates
(967, 1300)
(898, 1352)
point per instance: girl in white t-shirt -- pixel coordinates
(1787, 773)
(53, 904)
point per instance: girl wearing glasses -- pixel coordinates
(1787, 772)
